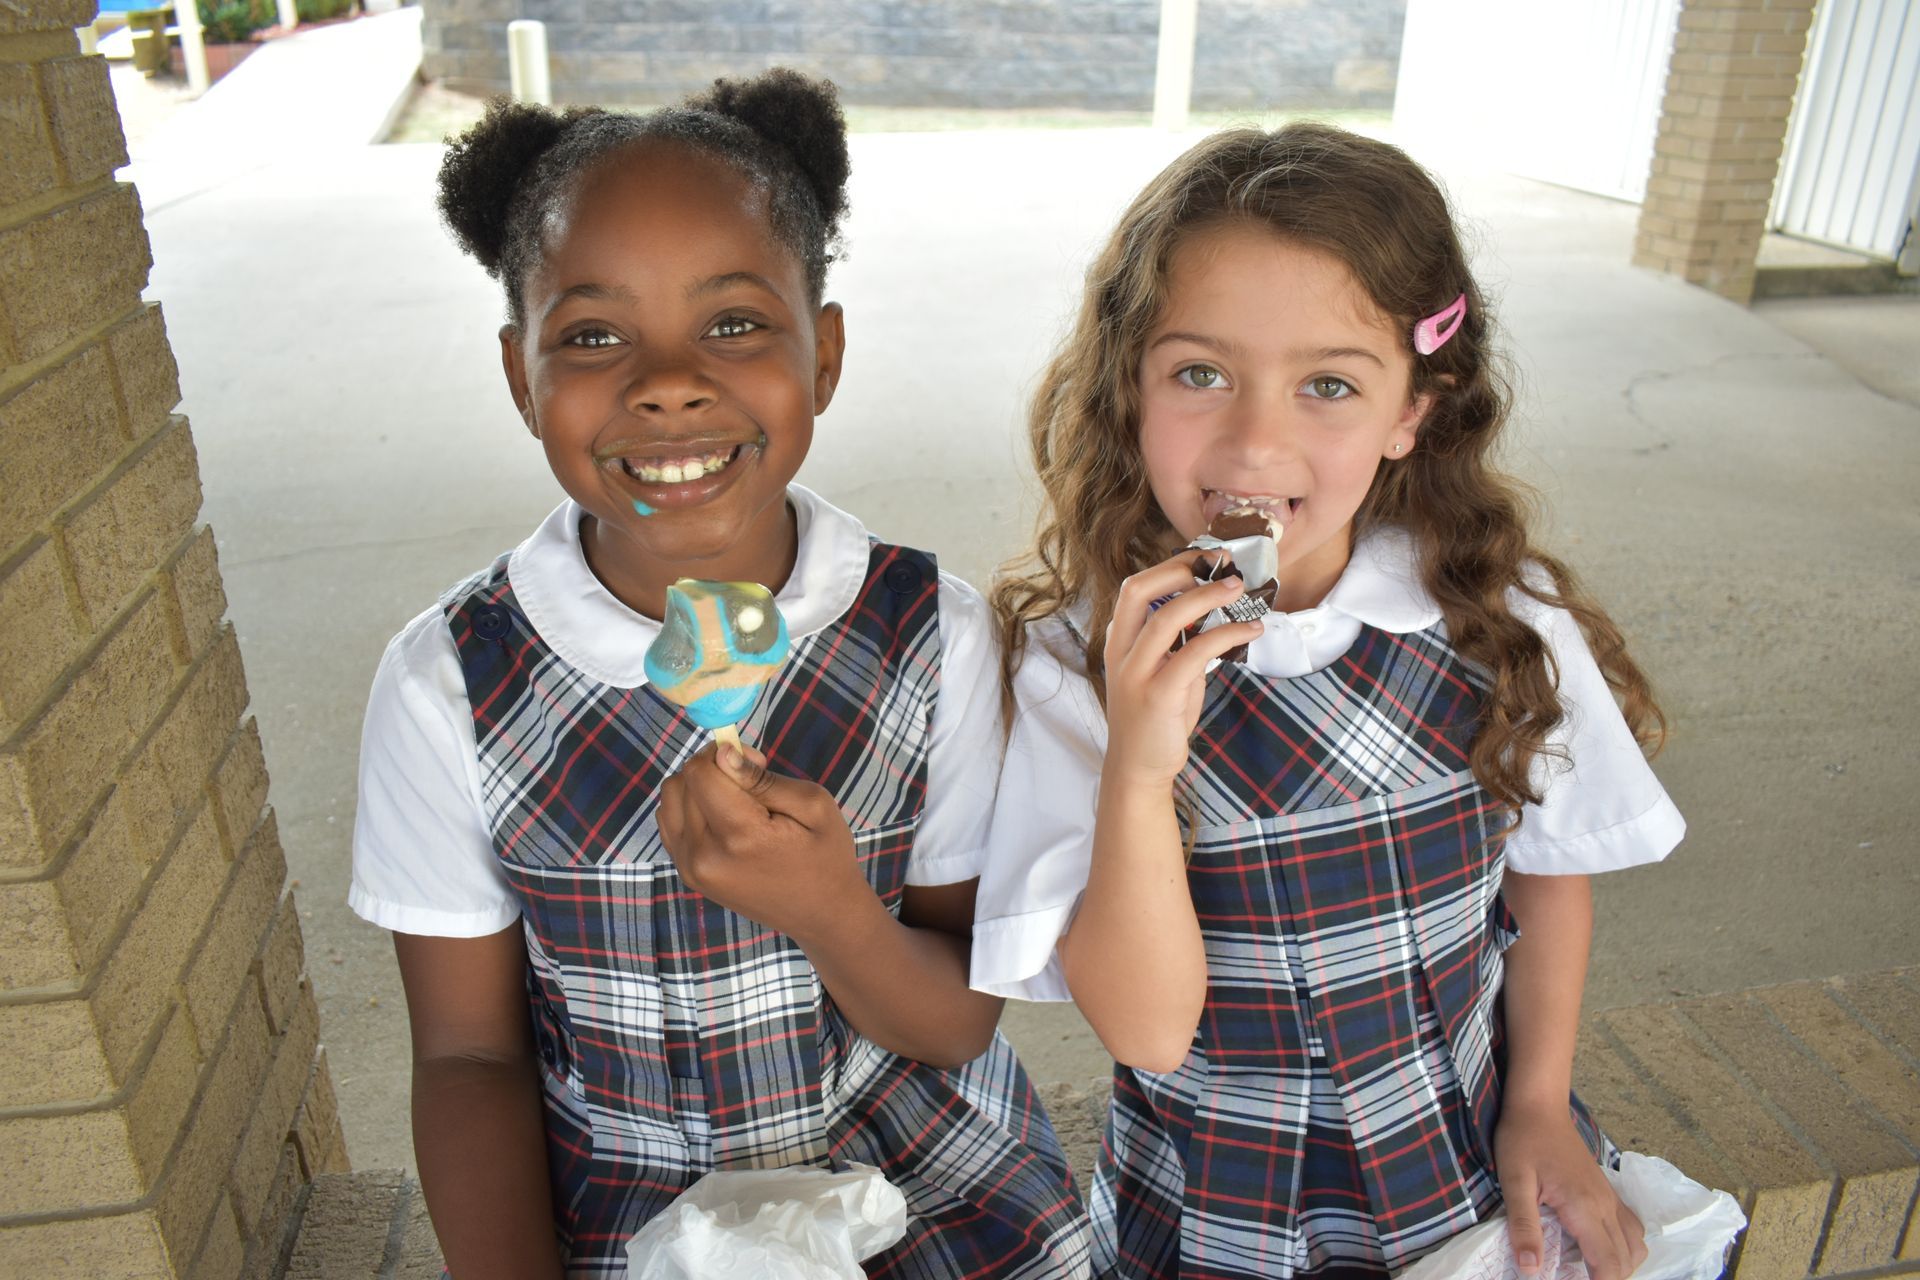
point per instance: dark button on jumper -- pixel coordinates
(491, 622)
(903, 577)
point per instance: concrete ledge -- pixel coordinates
(267, 111)
(363, 1226)
(1789, 267)
(1829, 281)
(1803, 1100)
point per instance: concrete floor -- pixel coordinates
(1738, 485)
(1877, 340)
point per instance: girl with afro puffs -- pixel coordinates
(630, 959)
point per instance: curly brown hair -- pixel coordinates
(1382, 215)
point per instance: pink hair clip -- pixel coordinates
(1429, 335)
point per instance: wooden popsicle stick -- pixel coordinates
(728, 735)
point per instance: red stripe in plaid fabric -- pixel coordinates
(678, 1037)
(1335, 1115)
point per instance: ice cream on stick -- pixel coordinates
(719, 642)
(1245, 542)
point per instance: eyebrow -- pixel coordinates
(619, 293)
(714, 284)
(601, 292)
(1339, 353)
(1224, 346)
(1228, 347)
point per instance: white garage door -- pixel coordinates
(1563, 90)
(1851, 174)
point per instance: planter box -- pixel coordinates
(221, 58)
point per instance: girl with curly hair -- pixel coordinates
(1327, 905)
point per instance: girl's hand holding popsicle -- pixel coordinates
(774, 849)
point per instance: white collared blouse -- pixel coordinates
(1601, 809)
(423, 861)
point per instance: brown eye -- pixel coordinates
(1329, 388)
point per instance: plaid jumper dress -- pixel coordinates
(676, 1037)
(1335, 1115)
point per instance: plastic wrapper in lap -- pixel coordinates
(1689, 1229)
(771, 1224)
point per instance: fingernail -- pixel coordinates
(730, 758)
(1527, 1258)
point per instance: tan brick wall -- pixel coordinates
(164, 1098)
(1723, 123)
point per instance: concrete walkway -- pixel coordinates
(1742, 500)
(314, 91)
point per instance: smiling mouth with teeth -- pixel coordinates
(681, 469)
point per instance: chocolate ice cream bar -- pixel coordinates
(1245, 544)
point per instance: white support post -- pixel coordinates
(527, 72)
(289, 15)
(193, 44)
(1908, 263)
(1173, 74)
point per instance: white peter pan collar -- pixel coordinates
(592, 631)
(1379, 588)
(1381, 585)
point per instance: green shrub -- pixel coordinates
(231, 21)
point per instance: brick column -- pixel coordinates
(1736, 64)
(163, 1096)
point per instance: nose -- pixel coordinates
(668, 387)
(1260, 429)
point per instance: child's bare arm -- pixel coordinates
(1540, 1156)
(777, 850)
(478, 1130)
(1133, 957)
(903, 983)
(1546, 976)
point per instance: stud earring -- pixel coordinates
(1397, 448)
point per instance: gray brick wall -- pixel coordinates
(1096, 54)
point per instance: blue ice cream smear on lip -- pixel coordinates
(642, 508)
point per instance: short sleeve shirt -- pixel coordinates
(423, 861)
(1601, 806)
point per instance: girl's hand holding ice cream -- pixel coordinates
(772, 848)
(1156, 673)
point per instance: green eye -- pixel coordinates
(1203, 377)
(1329, 388)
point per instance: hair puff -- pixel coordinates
(483, 167)
(799, 115)
(782, 131)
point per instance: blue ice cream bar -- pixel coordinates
(719, 642)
